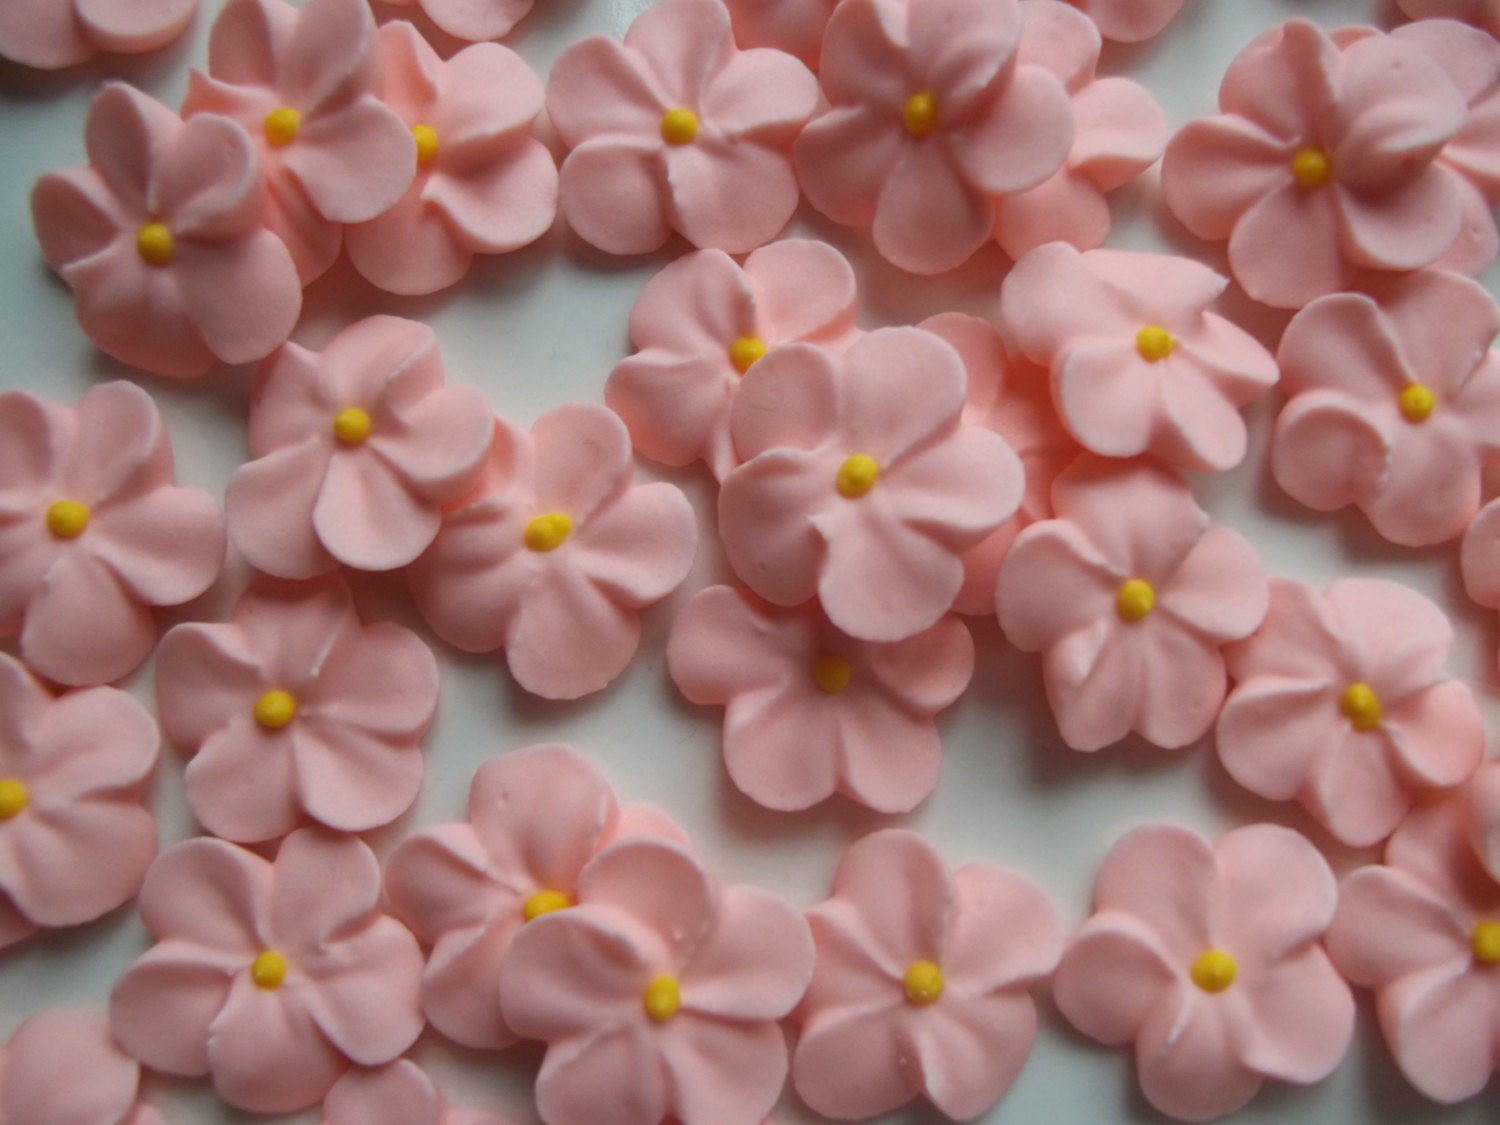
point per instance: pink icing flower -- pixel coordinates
(861, 486)
(306, 84)
(473, 20)
(294, 709)
(1130, 21)
(931, 118)
(353, 452)
(1139, 364)
(1423, 931)
(160, 239)
(270, 977)
(555, 553)
(398, 1093)
(62, 1067)
(678, 130)
(809, 710)
(1341, 702)
(793, 26)
(56, 33)
(702, 321)
(93, 533)
(1323, 162)
(659, 994)
(921, 982)
(1118, 132)
(75, 840)
(536, 816)
(1130, 595)
(1480, 13)
(1206, 956)
(1393, 404)
(484, 184)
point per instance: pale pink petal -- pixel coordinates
(353, 779)
(246, 38)
(1022, 139)
(1163, 875)
(1115, 504)
(396, 1094)
(83, 627)
(1480, 557)
(884, 580)
(1188, 1061)
(890, 758)
(719, 1069)
(898, 898)
(1108, 397)
(96, 744)
(843, 158)
(1131, 22)
(1303, 1017)
(660, 886)
(1440, 1025)
(1270, 731)
(1390, 925)
(210, 895)
(788, 399)
(599, 88)
(1119, 132)
(75, 216)
(1005, 932)
(1433, 489)
(1182, 681)
(62, 1067)
(849, 1063)
(242, 296)
(241, 783)
(125, 134)
(130, 536)
(504, 207)
(568, 637)
(45, 35)
(1325, 454)
(766, 509)
(761, 96)
(640, 547)
(265, 1053)
(1065, 208)
(1276, 894)
(355, 162)
(587, 1079)
(926, 672)
(461, 985)
(613, 194)
(804, 290)
(1111, 978)
(733, 194)
(312, 240)
(1217, 168)
(162, 1007)
(1407, 228)
(1053, 583)
(364, 997)
(928, 218)
(1438, 737)
(469, 585)
(958, 47)
(682, 44)
(677, 409)
(434, 438)
(969, 1058)
(293, 403)
(572, 972)
(323, 883)
(269, 503)
(1284, 80)
(1357, 795)
(784, 757)
(1285, 250)
(292, 627)
(1442, 322)
(77, 860)
(368, 518)
(1401, 110)
(755, 961)
(439, 880)
(489, 19)
(210, 185)
(1219, 591)
(879, 416)
(330, 59)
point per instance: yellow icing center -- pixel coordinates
(919, 114)
(1310, 167)
(153, 242)
(1485, 940)
(351, 425)
(745, 351)
(856, 476)
(544, 902)
(679, 126)
(1361, 706)
(923, 982)
(662, 998)
(1213, 971)
(1154, 342)
(281, 125)
(275, 709)
(13, 797)
(66, 519)
(1416, 403)
(1134, 599)
(547, 532)
(427, 143)
(831, 673)
(268, 970)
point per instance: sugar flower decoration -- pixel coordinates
(1393, 404)
(1423, 931)
(93, 533)
(75, 840)
(1206, 957)
(555, 553)
(294, 709)
(399, 1093)
(676, 129)
(1322, 162)
(932, 117)
(861, 486)
(700, 324)
(271, 977)
(922, 979)
(306, 85)
(793, 26)
(354, 450)
(52, 34)
(484, 184)
(536, 816)
(1130, 21)
(61, 1066)
(1118, 132)
(1480, 13)
(658, 995)
(473, 21)
(1130, 595)
(810, 711)
(160, 239)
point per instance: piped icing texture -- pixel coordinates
(52, 34)
(61, 1066)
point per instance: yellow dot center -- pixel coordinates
(856, 476)
(1486, 943)
(66, 519)
(547, 532)
(662, 998)
(919, 114)
(351, 425)
(1153, 343)
(275, 709)
(679, 126)
(831, 673)
(923, 982)
(1361, 706)
(427, 143)
(268, 970)
(1310, 167)
(1134, 599)
(745, 351)
(1416, 403)
(153, 242)
(13, 797)
(1213, 971)
(544, 902)
(282, 125)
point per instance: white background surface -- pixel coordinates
(544, 326)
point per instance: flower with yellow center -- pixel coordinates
(13, 797)
(856, 476)
(923, 982)
(548, 531)
(427, 143)
(351, 425)
(745, 351)
(1416, 402)
(1134, 599)
(275, 709)
(1213, 970)
(268, 970)
(66, 519)
(1361, 706)
(662, 998)
(1485, 941)
(153, 242)
(679, 126)
(919, 114)
(544, 902)
(1310, 167)
(282, 125)
(831, 673)
(1153, 343)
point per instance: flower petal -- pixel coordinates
(733, 194)
(269, 503)
(242, 296)
(83, 627)
(1325, 454)
(928, 219)
(241, 783)
(353, 162)
(265, 1053)
(1113, 975)
(754, 962)
(613, 194)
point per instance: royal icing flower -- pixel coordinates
(1118, 132)
(1206, 957)
(354, 450)
(399, 1093)
(1322, 163)
(484, 184)
(61, 1067)
(659, 993)
(861, 486)
(1341, 702)
(555, 553)
(810, 711)
(93, 533)
(1423, 931)
(922, 979)
(676, 129)
(931, 118)
(1130, 595)
(702, 321)
(160, 239)
(1130, 21)
(75, 840)
(793, 26)
(1393, 404)
(306, 85)
(51, 34)
(473, 21)
(1480, 13)
(270, 977)
(294, 709)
